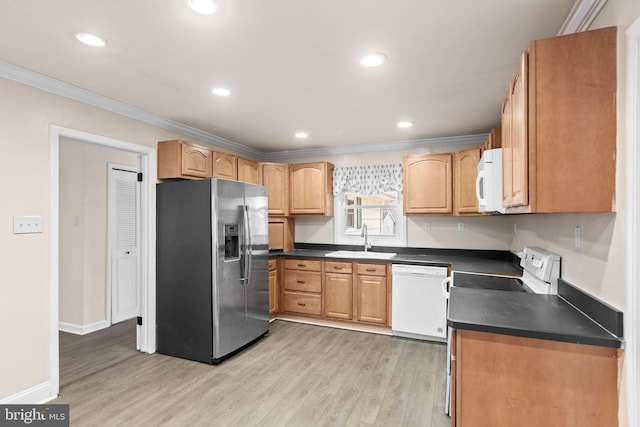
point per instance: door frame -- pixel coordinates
(111, 236)
(146, 333)
(632, 137)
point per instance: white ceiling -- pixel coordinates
(291, 64)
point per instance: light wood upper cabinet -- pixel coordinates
(494, 140)
(427, 184)
(559, 126)
(275, 176)
(248, 171)
(311, 189)
(225, 165)
(515, 190)
(466, 170)
(180, 159)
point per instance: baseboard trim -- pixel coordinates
(82, 329)
(38, 394)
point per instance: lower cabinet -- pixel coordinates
(273, 287)
(503, 380)
(338, 285)
(302, 286)
(337, 290)
(371, 291)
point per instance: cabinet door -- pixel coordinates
(494, 140)
(275, 177)
(281, 233)
(225, 165)
(196, 161)
(466, 169)
(273, 291)
(516, 146)
(310, 189)
(427, 184)
(338, 296)
(248, 171)
(372, 299)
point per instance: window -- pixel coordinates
(378, 211)
(371, 196)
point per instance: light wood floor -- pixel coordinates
(298, 375)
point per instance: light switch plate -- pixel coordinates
(27, 224)
(461, 226)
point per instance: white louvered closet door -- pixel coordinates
(124, 208)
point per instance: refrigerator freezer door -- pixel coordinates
(257, 287)
(228, 295)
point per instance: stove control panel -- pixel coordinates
(540, 263)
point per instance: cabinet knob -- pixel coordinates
(371, 270)
(337, 268)
(301, 304)
(300, 281)
(302, 265)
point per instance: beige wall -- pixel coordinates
(83, 256)
(27, 114)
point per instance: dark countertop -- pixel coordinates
(525, 314)
(475, 261)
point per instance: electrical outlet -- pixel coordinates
(461, 226)
(576, 237)
(427, 226)
(76, 221)
(27, 224)
(330, 224)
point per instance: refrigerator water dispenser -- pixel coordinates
(231, 244)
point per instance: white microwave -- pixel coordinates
(489, 181)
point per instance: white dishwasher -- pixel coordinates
(418, 305)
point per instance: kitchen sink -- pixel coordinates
(361, 254)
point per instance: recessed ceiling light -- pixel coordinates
(91, 39)
(373, 60)
(220, 91)
(301, 135)
(205, 7)
(405, 124)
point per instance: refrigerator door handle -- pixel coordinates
(246, 247)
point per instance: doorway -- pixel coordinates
(146, 159)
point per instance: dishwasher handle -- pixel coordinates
(446, 283)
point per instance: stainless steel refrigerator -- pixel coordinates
(212, 292)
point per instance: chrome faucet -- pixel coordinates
(365, 234)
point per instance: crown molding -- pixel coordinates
(581, 16)
(57, 87)
(383, 146)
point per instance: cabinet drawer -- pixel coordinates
(307, 281)
(272, 264)
(296, 302)
(302, 264)
(338, 267)
(371, 269)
